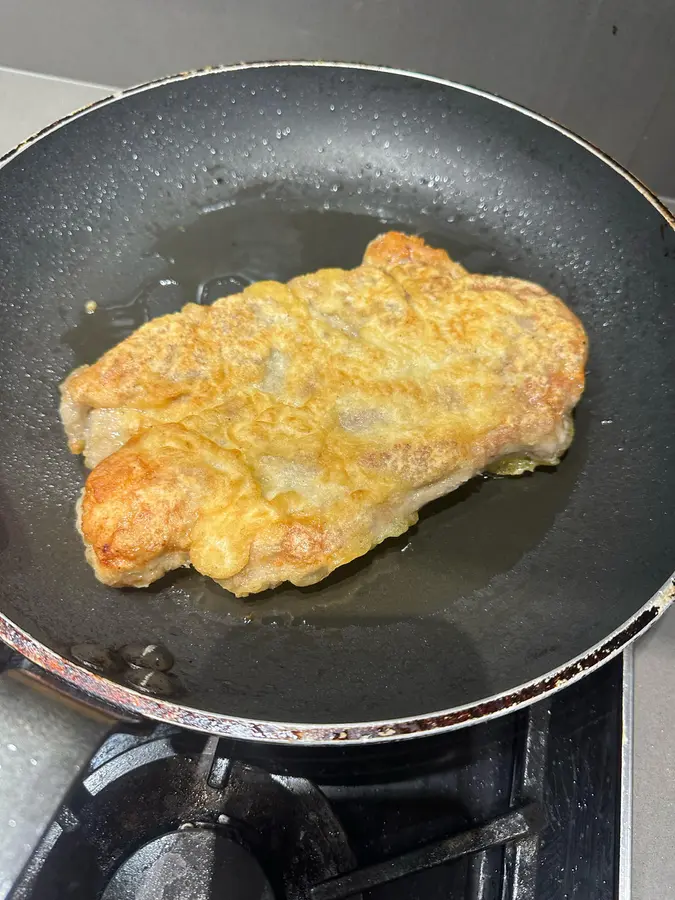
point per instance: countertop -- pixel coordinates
(29, 101)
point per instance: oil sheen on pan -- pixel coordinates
(282, 432)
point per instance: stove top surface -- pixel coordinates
(520, 808)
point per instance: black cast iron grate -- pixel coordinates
(515, 834)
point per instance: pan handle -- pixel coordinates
(46, 740)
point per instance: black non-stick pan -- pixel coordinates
(191, 187)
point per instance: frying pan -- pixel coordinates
(190, 187)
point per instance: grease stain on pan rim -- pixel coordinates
(360, 732)
(357, 733)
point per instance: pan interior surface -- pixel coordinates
(193, 188)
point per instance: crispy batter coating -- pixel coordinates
(284, 431)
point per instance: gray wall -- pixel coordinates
(606, 68)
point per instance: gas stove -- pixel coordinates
(533, 805)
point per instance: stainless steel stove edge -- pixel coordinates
(625, 888)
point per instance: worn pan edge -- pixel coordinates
(361, 732)
(307, 734)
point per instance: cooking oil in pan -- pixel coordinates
(104, 326)
(462, 542)
(226, 249)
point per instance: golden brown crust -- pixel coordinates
(394, 251)
(286, 430)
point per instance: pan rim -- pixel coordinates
(310, 734)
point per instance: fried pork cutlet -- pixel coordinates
(284, 431)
